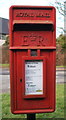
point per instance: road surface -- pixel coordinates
(5, 79)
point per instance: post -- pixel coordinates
(31, 116)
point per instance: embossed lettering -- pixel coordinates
(25, 41)
(34, 40)
(25, 14)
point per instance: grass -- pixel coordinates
(4, 65)
(6, 113)
(7, 65)
(59, 113)
(60, 66)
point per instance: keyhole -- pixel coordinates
(20, 80)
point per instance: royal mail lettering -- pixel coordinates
(41, 14)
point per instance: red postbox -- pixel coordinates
(32, 59)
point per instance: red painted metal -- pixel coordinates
(32, 28)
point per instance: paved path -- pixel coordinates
(5, 79)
